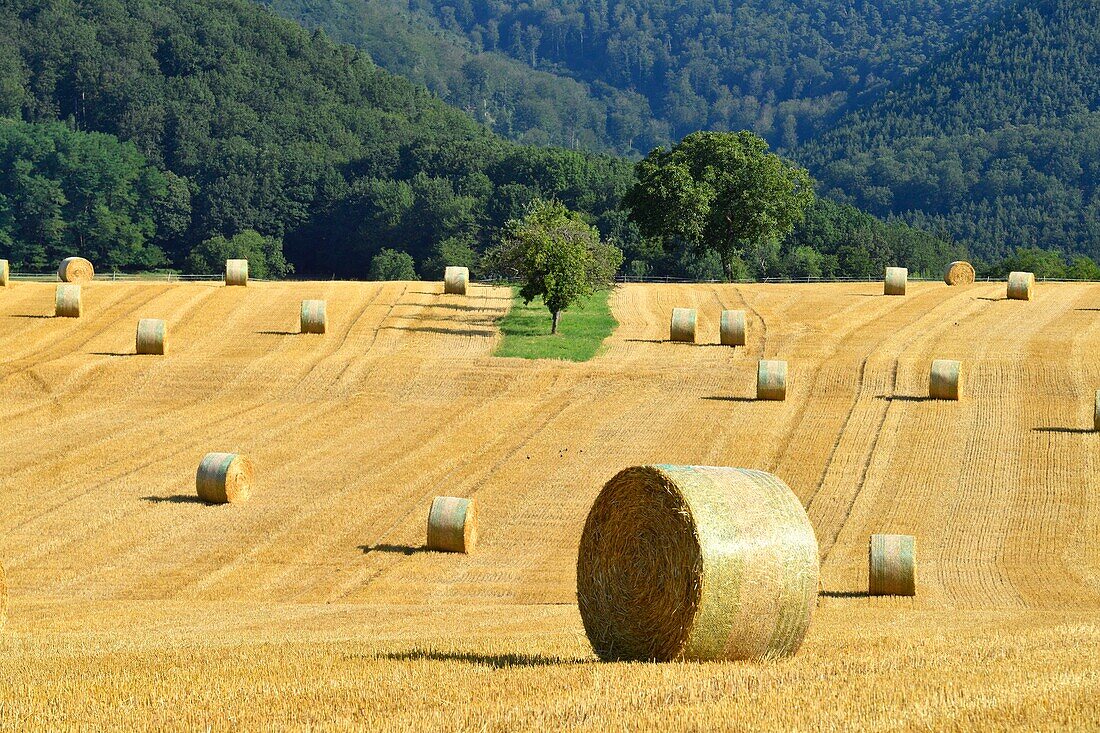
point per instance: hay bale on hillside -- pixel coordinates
(771, 380)
(733, 329)
(314, 318)
(68, 301)
(3, 598)
(452, 524)
(944, 380)
(75, 270)
(696, 562)
(891, 564)
(682, 327)
(224, 478)
(959, 273)
(4, 272)
(236, 272)
(152, 337)
(1020, 285)
(895, 281)
(456, 280)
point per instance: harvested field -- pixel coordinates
(131, 604)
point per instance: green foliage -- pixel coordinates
(721, 192)
(558, 256)
(264, 255)
(389, 264)
(1047, 264)
(582, 330)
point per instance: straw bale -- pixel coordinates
(1020, 285)
(891, 562)
(75, 270)
(314, 318)
(944, 380)
(452, 524)
(224, 478)
(894, 283)
(696, 563)
(456, 280)
(68, 301)
(682, 327)
(4, 272)
(152, 336)
(771, 380)
(236, 272)
(959, 273)
(733, 328)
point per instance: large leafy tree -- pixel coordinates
(557, 256)
(720, 192)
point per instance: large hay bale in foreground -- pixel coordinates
(224, 478)
(944, 380)
(75, 270)
(959, 273)
(895, 281)
(452, 524)
(733, 329)
(771, 380)
(891, 562)
(314, 318)
(682, 327)
(4, 271)
(696, 562)
(152, 337)
(236, 272)
(456, 280)
(1020, 285)
(68, 301)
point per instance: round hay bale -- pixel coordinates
(959, 273)
(3, 598)
(944, 380)
(733, 328)
(1020, 285)
(75, 270)
(236, 272)
(152, 336)
(452, 524)
(891, 564)
(1096, 413)
(456, 280)
(894, 283)
(771, 380)
(68, 301)
(224, 478)
(682, 327)
(696, 563)
(314, 318)
(4, 272)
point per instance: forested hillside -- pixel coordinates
(998, 143)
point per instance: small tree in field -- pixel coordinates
(556, 255)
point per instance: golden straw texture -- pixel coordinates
(1020, 285)
(733, 328)
(224, 478)
(452, 524)
(68, 301)
(959, 273)
(236, 272)
(945, 380)
(696, 562)
(891, 562)
(152, 336)
(314, 318)
(456, 280)
(771, 380)
(3, 598)
(682, 327)
(894, 283)
(75, 270)
(4, 271)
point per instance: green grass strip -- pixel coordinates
(581, 330)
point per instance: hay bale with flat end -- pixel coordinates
(75, 270)
(456, 280)
(696, 563)
(682, 327)
(944, 380)
(224, 478)
(152, 337)
(1020, 285)
(891, 562)
(895, 281)
(68, 301)
(959, 273)
(4, 272)
(452, 524)
(771, 380)
(314, 318)
(236, 272)
(733, 328)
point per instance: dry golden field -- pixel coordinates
(313, 606)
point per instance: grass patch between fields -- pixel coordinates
(581, 331)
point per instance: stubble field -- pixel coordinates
(314, 605)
